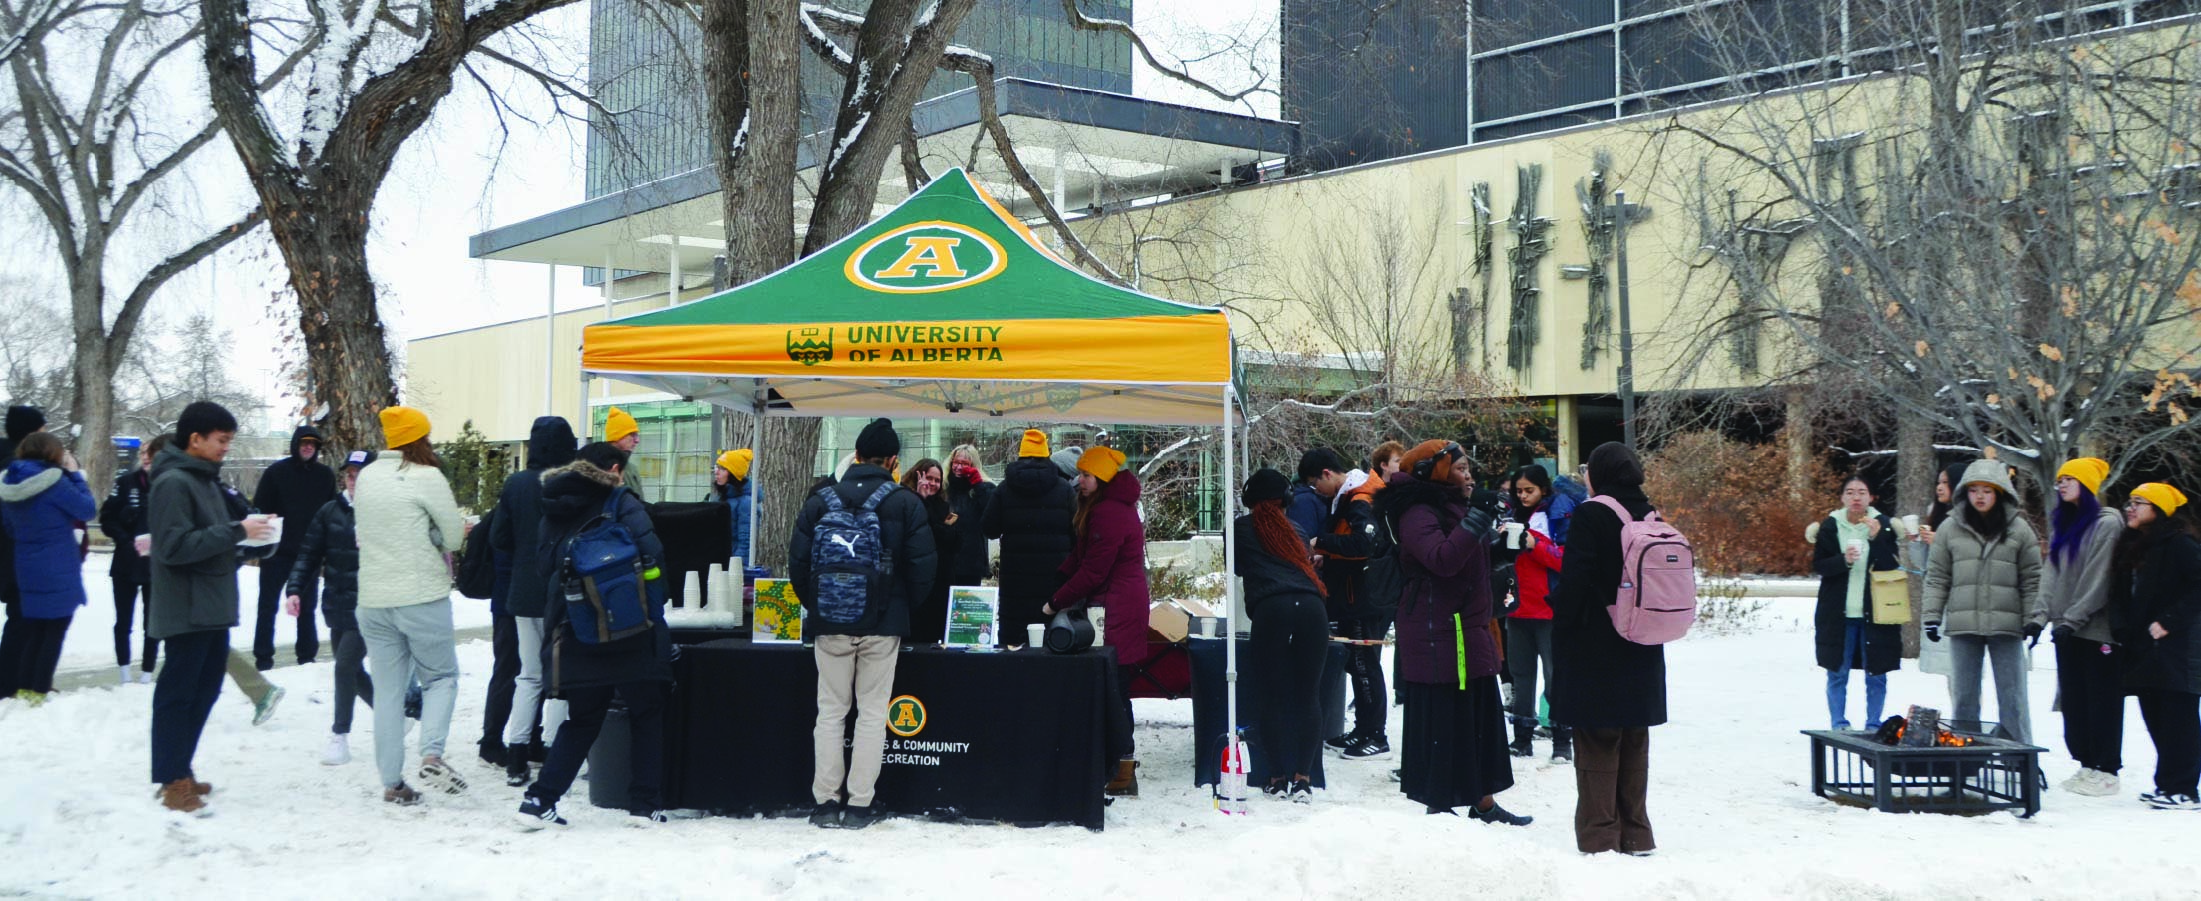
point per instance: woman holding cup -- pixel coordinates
(1854, 542)
(2076, 587)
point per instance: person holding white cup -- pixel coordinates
(1851, 543)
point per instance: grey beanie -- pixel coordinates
(1066, 461)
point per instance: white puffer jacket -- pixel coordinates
(406, 521)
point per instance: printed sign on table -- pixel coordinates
(779, 612)
(973, 616)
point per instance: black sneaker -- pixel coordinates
(653, 816)
(2165, 801)
(515, 769)
(1276, 788)
(412, 704)
(1336, 744)
(853, 817)
(1374, 747)
(1302, 792)
(826, 815)
(1498, 815)
(534, 815)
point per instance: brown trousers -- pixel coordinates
(1611, 778)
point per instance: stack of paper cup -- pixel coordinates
(691, 590)
(718, 597)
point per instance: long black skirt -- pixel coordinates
(1455, 746)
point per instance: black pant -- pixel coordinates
(2174, 721)
(1364, 670)
(1291, 637)
(2093, 704)
(352, 681)
(11, 647)
(40, 651)
(505, 644)
(274, 571)
(127, 595)
(197, 663)
(1528, 651)
(585, 709)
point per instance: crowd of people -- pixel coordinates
(1495, 593)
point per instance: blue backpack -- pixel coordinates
(849, 560)
(607, 594)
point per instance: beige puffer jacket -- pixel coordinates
(406, 520)
(1980, 587)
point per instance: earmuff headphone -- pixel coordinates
(1427, 469)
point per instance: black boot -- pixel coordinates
(1562, 744)
(1523, 743)
(515, 767)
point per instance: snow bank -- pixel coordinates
(1729, 797)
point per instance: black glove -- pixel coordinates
(1933, 631)
(1484, 510)
(2064, 630)
(2032, 635)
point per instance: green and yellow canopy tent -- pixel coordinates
(947, 307)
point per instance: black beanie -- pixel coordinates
(23, 419)
(1317, 459)
(878, 441)
(1266, 485)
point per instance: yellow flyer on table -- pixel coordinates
(779, 612)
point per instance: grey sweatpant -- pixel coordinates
(416, 639)
(2007, 653)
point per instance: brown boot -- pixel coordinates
(179, 797)
(202, 789)
(1126, 782)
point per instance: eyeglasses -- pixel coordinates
(2136, 503)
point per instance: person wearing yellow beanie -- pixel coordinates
(2075, 590)
(1033, 445)
(621, 429)
(731, 478)
(403, 425)
(2088, 471)
(1101, 463)
(2159, 631)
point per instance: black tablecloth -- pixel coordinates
(1209, 710)
(1016, 737)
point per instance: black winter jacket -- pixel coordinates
(1883, 649)
(1031, 513)
(2166, 589)
(572, 496)
(1347, 536)
(903, 532)
(330, 550)
(122, 520)
(1600, 680)
(970, 564)
(295, 489)
(517, 530)
(1266, 577)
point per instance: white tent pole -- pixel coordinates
(1230, 569)
(550, 343)
(760, 396)
(581, 425)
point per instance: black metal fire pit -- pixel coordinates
(1991, 773)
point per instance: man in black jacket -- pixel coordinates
(516, 533)
(330, 552)
(294, 488)
(587, 676)
(21, 422)
(1031, 514)
(122, 520)
(856, 652)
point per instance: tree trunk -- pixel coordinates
(1914, 486)
(788, 458)
(91, 378)
(1798, 429)
(347, 351)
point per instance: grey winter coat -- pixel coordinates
(2077, 594)
(194, 548)
(1980, 587)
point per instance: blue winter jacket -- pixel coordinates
(1566, 494)
(743, 506)
(44, 504)
(1307, 511)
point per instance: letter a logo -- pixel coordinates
(932, 252)
(925, 257)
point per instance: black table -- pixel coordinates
(1209, 710)
(1017, 737)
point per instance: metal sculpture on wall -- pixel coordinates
(1471, 307)
(1531, 243)
(1750, 247)
(1597, 231)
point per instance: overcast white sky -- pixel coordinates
(453, 181)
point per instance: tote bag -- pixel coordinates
(1891, 598)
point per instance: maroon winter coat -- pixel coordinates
(1444, 614)
(1107, 568)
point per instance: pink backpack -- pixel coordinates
(1658, 579)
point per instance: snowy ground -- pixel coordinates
(1729, 797)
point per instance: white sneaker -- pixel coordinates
(125, 673)
(145, 677)
(2095, 784)
(339, 751)
(265, 707)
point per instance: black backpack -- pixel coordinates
(477, 576)
(1382, 579)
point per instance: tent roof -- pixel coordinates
(946, 307)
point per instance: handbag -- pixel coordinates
(1891, 597)
(1069, 632)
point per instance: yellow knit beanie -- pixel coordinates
(403, 425)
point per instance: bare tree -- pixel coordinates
(375, 73)
(91, 144)
(1999, 234)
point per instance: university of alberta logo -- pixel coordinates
(810, 346)
(906, 716)
(925, 257)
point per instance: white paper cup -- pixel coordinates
(1513, 534)
(144, 544)
(1207, 626)
(1910, 523)
(1035, 635)
(1854, 544)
